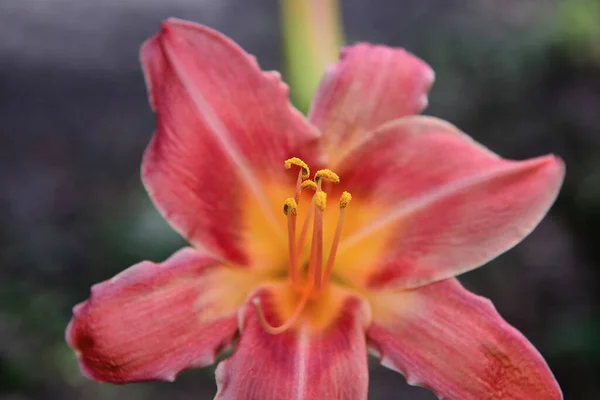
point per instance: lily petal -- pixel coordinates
(153, 320)
(447, 205)
(223, 124)
(369, 86)
(454, 342)
(312, 361)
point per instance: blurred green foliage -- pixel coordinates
(312, 37)
(578, 29)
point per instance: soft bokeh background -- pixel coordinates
(521, 76)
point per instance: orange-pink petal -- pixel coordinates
(153, 320)
(369, 86)
(222, 125)
(447, 205)
(446, 338)
(311, 361)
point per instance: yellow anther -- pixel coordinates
(290, 206)
(299, 163)
(345, 200)
(327, 174)
(308, 184)
(321, 200)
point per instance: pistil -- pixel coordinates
(275, 330)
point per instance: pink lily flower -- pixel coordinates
(304, 295)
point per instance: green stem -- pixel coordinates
(312, 35)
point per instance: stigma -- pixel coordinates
(311, 281)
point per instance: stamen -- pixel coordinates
(321, 200)
(316, 260)
(344, 201)
(299, 163)
(298, 186)
(308, 184)
(304, 231)
(290, 208)
(275, 330)
(327, 174)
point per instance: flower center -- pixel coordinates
(312, 283)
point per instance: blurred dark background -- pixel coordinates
(521, 76)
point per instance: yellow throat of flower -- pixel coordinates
(312, 283)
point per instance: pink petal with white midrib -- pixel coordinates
(302, 363)
(447, 205)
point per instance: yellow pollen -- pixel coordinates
(327, 174)
(299, 163)
(321, 200)
(290, 206)
(345, 200)
(308, 184)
